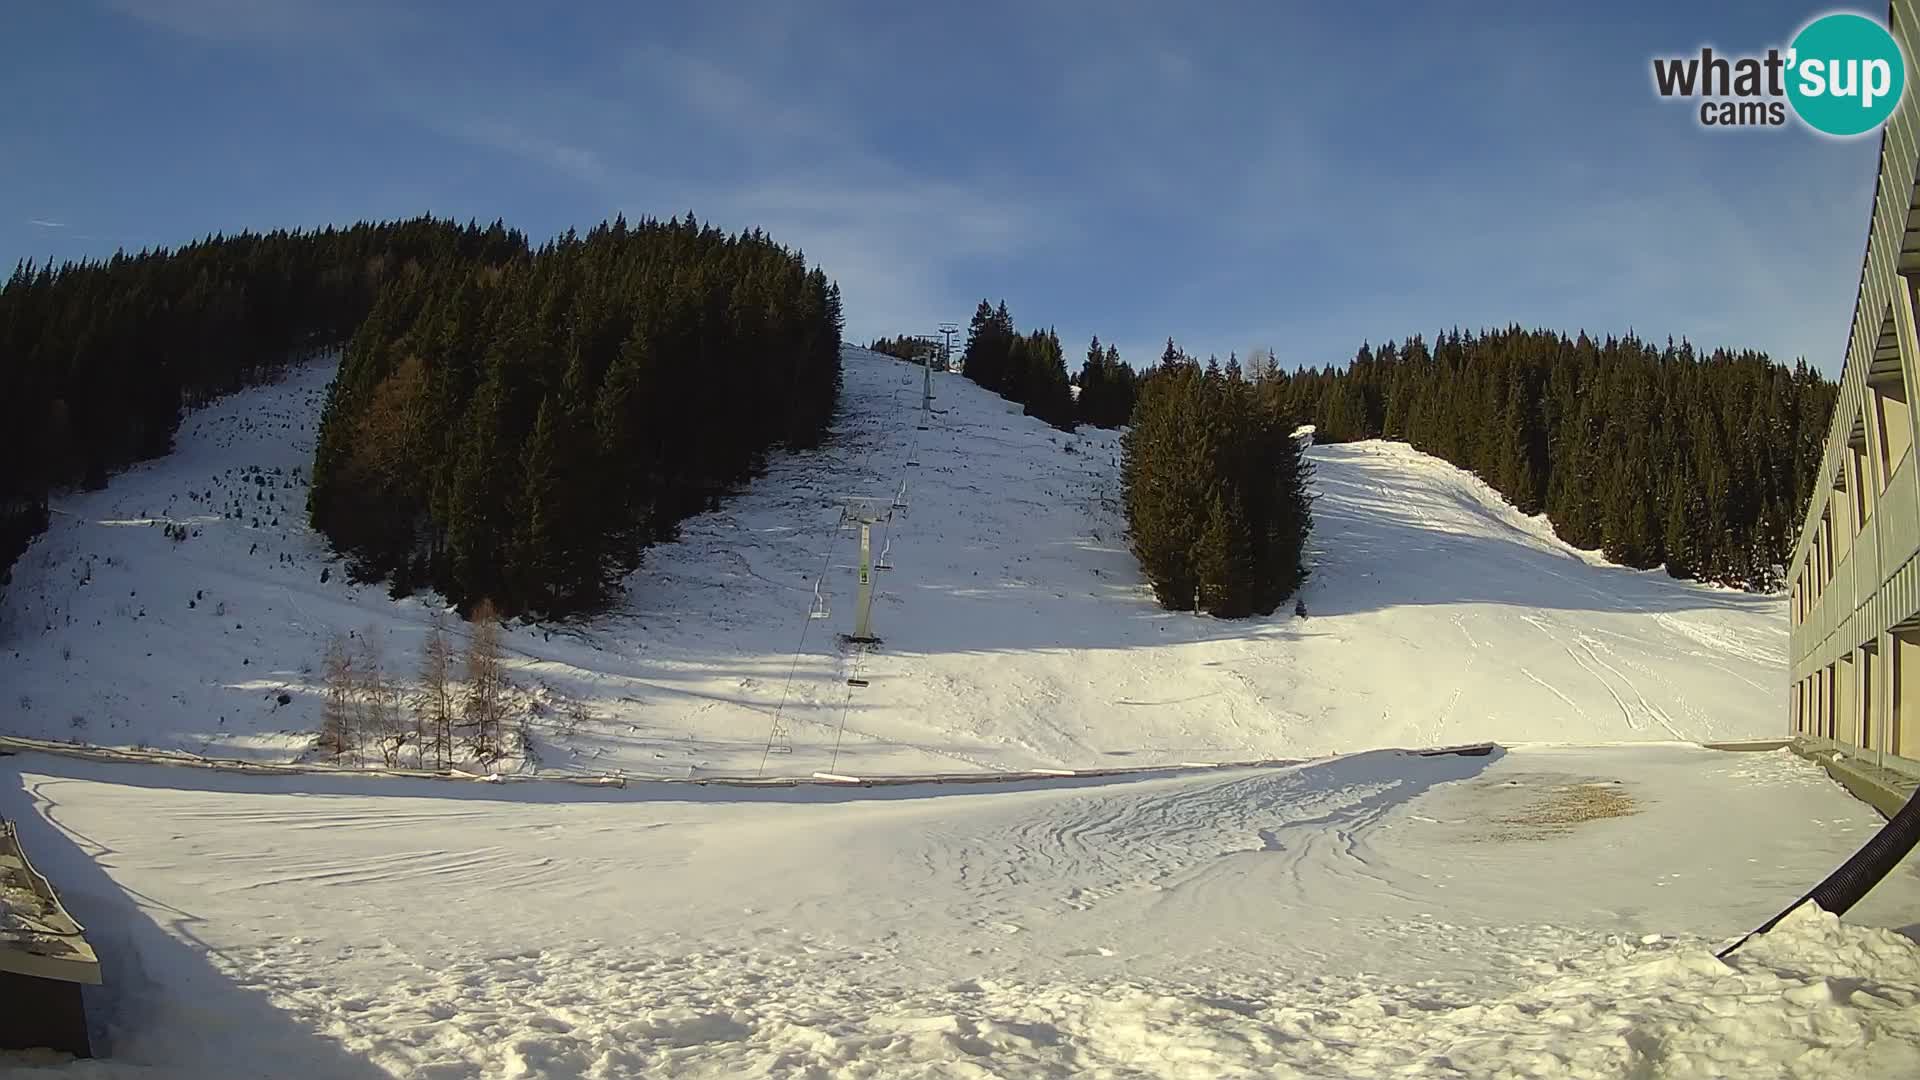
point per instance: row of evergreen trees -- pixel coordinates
(1700, 461)
(914, 350)
(98, 358)
(1217, 506)
(1030, 370)
(521, 431)
(1107, 387)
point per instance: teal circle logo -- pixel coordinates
(1845, 74)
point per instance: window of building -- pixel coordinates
(1903, 712)
(1845, 521)
(1823, 553)
(1826, 548)
(1888, 397)
(1860, 478)
(1869, 704)
(1826, 702)
(1895, 423)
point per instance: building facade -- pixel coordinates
(1854, 582)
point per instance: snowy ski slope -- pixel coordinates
(1543, 910)
(1017, 630)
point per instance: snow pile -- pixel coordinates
(1817, 999)
(1814, 998)
(1789, 1010)
(1016, 629)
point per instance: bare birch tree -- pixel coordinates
(1260, 363)
(379, 701)
(485, 707)
(336, 698)
(433, 708)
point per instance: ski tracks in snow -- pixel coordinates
(1161, 836)
(1585, 650)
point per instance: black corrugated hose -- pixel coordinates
(1844, 887)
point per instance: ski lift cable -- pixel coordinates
(826, 565)
(786, 689)
(793, 667)
(846, 706)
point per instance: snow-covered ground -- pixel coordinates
(1545, 910)
(1539, 912)
(1017, 630)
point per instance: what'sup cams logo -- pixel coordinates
(1843, 75)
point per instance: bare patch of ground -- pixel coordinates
(1557, 810)
(1537, 806)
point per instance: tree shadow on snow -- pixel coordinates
(641, 792)
(164, 1004)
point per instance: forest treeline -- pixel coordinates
(1215, 485)
(521, 432)
(508, 423)
(1028, 369)
(1701, 461)
(1031, 370)
(906, 347)
(99, 358)
(1108, 387)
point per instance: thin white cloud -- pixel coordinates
(568, 159)
(45, 224)
(275, 21)
(888, 233)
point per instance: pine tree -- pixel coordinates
(1093, 405)
(1047, 393)
(1676, 540)
(558, 566)
(1122, 385)
(1223, 558)
(1216, 495)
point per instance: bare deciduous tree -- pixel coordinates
(486, 705)
(336, 698)
(379, 701)
(1260, 363)
(433, 707)
(571, 716)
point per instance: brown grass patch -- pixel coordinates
(1557, 810)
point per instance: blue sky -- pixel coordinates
(1300, 176)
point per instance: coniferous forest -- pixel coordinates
(522, 432)
(914, 350)
(1030, 370)
(1216, 491)
(508, 423)
(1108, 386)
(97, 359)
(1700, 461)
